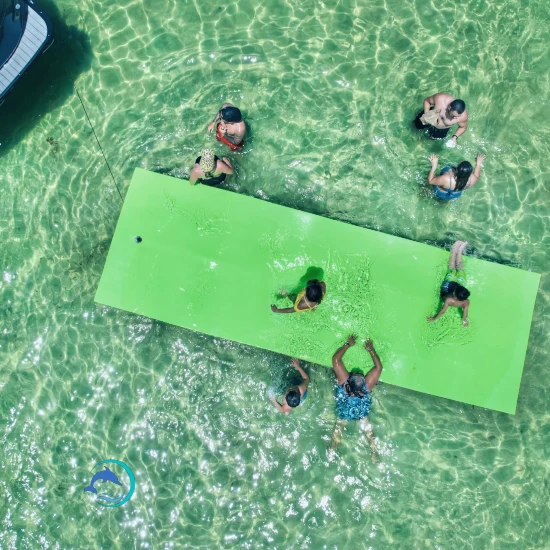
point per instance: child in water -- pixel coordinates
(306, 300)
(453, 291)
(295, 395)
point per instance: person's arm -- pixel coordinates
(462, 127)
(277, 405)
(428, 102)
(372, 377)
(432, 178)
(214, 120)
(477, 172)
(303, 374)
(227, 167)
(337, 364)
(465, 312)
(195, 174)
(275, 309)
(443, 310)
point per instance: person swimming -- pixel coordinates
(453, 290)
(452, 181)
(294, 395)
(210, 169)
(353, 392)
(306, 300)
(230, 126)
(440, 112)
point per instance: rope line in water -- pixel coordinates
(97, 139)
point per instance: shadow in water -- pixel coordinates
(47, 83)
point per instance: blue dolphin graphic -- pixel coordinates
(104, 475)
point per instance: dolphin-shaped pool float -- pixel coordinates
(104, 475)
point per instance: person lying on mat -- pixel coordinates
(294, 395)
(439, 113)
(353, 393)
(451, 181)
(306, 300)
(210, 169)
(453, 290)
(230, 126)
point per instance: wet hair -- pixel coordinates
(463, 172)
(356, 384)
(293, 398)
(314, 291)
(461, 293)
(458, 105)
(231, 114)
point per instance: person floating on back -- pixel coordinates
(452, 181)
(440, 112)
(210, 169)
(230, 127)
(353, 392)
(306, 300)
(453, 289)
(294, 395)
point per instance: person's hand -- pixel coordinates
(223, 127)
(368, 345)
(211, 127)
(434, 159)
(295, 363)
(465, 322)
(480, 159)
(430, 319)
(451, 142)
(274, 307)
(351, 340)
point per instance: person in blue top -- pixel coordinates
(353, 392)
(453, 181)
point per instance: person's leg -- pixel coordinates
(460, 250)
(452, 257)
(337, 434)
(366, 426)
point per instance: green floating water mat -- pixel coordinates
(213, 261)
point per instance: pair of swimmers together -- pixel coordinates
(353, 391)
(230, 130)
(439, 113)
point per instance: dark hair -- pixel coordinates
(314, 291)
(231, 114)
(461, 293)
(356, 384)
(463, 172)
(293, 398)
(458, 105)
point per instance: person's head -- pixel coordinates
(356, 384)
(456, 108)
(231, 115)
(314, 291)
(463, 172)
(293, 398)
(208, 161)
(461, 293)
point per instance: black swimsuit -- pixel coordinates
(433, 132)
(209, 178)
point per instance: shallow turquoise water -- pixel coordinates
(328, 90)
